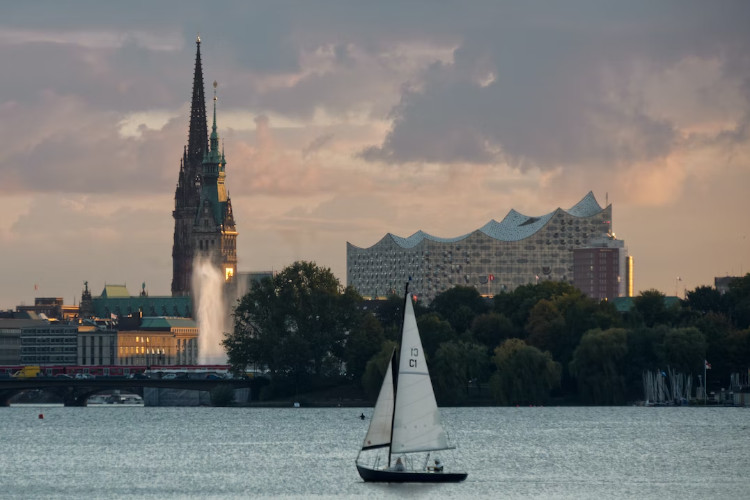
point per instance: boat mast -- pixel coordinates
(394, 369)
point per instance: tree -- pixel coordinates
(492, 328)
(557, 325)
(524, 374)
(459, 305)
(649, 306)
(434, 331)
(739, 301)
(644, 353)
(362, 344)
(457, 364)
(717, 329)
(372, 379)
(517, 304)
(598, 366)
(545, 326)
(685, 349)
(294, 324)
(738, 359)
(705, 299)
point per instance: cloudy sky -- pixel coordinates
(343, 121)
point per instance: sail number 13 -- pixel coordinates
(413, 360)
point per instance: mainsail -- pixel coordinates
(406, 419)
(416, 420)
(379, 433)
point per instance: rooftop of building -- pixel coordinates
(166, 323)
(115, 291)
(7, 323)
(515, 226)
(625, 304)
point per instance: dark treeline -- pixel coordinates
(539, 344)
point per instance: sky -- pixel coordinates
(344, 121)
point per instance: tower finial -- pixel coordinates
(198, 38)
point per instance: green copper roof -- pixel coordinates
(181, 306)
(166, 323)
(112, 291)
(625, 304)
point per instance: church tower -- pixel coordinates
(194, 190)
(214, 232)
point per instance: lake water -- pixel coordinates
(226, 453)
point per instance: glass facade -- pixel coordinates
(498, 257)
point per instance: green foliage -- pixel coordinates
(455, 366)
(492, 328)
(545, 326)
(643, 354)
(557, 324)
(459, 305)
(684, 349)
(525, 375)
(517, 304)
(738, 352)
(376, 368)
(739, 300)
(294, 324)
(651, 310)
(434, 331)
(363, 343)
(705, 299)
(390, 314)
(309, 332)
(598, 364)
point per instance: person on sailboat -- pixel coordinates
(399, 467)
(438, 467)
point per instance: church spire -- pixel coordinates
(198, 134)
(214, 134)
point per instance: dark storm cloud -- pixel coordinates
(552, 86)
(542, 84)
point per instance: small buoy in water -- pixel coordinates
(41, 415)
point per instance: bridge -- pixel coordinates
(75, 392)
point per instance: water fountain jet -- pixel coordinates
(211, 311)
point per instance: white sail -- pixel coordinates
(379, 433)
(416, 422)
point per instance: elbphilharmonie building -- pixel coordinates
(497, 257)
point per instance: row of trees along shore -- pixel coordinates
(545, 343)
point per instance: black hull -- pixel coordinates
(387, 476)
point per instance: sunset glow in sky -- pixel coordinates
(343, 121)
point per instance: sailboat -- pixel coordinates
(406, 421)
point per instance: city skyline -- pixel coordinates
(343, 123)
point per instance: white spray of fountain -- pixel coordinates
(211, 311)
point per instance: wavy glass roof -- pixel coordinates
(515, 226)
